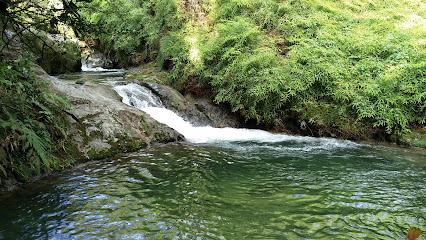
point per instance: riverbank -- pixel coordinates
(415, 138)
(102, 126)
(322, 68)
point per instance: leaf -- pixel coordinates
(413, 233)
(36, 143)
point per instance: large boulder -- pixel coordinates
(102, 125)
(52, 52)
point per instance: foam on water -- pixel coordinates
(211, 134)
(143, 99)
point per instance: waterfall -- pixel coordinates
(137, 96)
(95, 62)
(142, 98)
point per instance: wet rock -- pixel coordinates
(415, 138)
(219, 115)
(92, 59)
(199, 111)
(102, 125)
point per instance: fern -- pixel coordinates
(32, 123)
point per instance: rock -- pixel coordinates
(415, 138)
(50, 51)
(102, 125)
(92, 60)
(199, 111)
(14, 50)
(219, 115)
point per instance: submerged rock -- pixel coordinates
(102, 125)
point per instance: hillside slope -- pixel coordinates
(351, 69)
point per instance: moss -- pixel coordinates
(93, 154)
(147, 129)
(119, 98)
(147, 73)
(175, 102)
(421, 143)
(98, 124)
(72, 153)
(122, 145)
(416, 138)
(162, 137)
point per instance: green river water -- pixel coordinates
(316, 189)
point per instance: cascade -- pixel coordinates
(95, 62)
(144, 99)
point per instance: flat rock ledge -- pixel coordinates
(102, 125)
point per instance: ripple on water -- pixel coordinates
(241, 191)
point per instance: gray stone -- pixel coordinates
(105, 125)
(199, 111)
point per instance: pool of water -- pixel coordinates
(293, 189)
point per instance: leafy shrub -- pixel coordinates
(345, 67)
(32, 125)
(173, 56)
(126, 28)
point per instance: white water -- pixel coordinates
(93, 62)
(142, 98)
(210, 134)
(137, 96)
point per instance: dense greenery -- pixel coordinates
(347, 69)
(39, 30)
(343, 69)
(131, 30)
(33, 128)
(32, 123)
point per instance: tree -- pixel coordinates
(29, 16)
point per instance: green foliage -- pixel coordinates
(173, 55)
(240, 70)
(347, 68)
(32, 125)
(126, 28)
(46, 16)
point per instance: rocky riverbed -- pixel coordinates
(102, 125)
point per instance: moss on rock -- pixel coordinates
(416, 138)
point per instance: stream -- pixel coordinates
(224, 184)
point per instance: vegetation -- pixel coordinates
(32, 125)
(33, 128)
(349, 69)
(39, 30)
(129, 31)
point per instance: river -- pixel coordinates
(226, 184)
